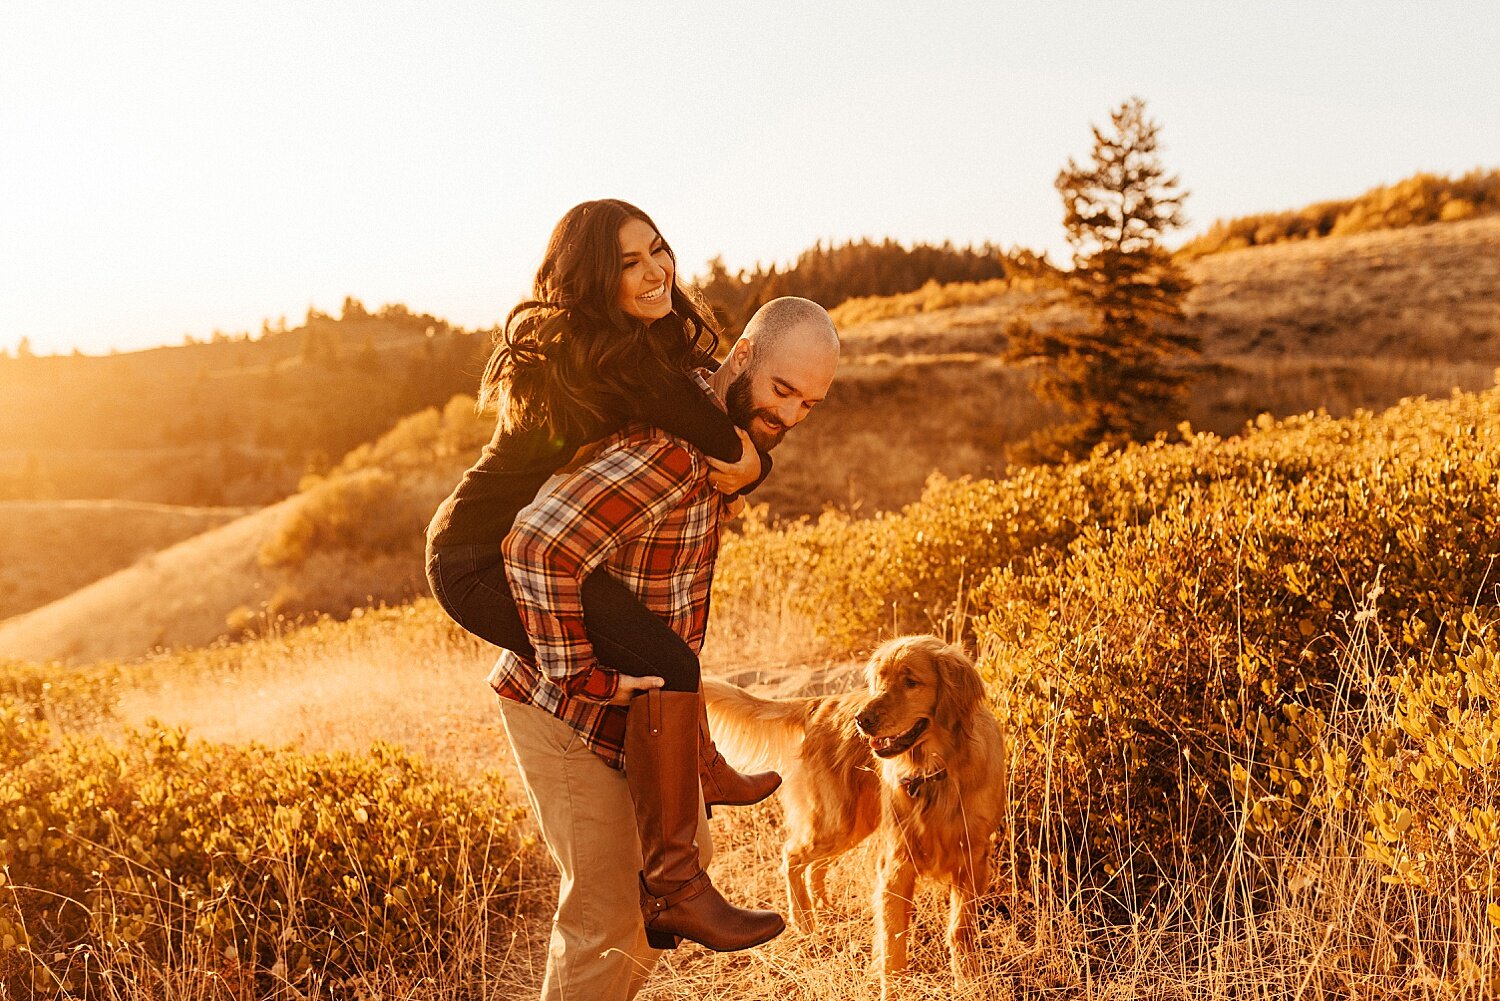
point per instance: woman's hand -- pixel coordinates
(630, 687)
(729, 478)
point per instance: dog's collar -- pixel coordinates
(915, 785)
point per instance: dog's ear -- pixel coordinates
(959, 689)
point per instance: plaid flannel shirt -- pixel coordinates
(642, 507)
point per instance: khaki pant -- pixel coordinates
(598, 950)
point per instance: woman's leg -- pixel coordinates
(630, 638)
(469, 582)
(625, 632)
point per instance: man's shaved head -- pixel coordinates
(779, 369)
(791, 314)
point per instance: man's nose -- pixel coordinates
(789, 413)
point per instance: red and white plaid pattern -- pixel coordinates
(642, 507)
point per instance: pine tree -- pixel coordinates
(368, 359)
(1114, 375)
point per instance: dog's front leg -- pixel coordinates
(895, 888)
(795, 867)
(817, 882)
(963, 951)
(970, 882)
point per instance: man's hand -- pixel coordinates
(729, 478)
(630, 687)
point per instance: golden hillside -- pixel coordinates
(1339, 324)
(52, 548)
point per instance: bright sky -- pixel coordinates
(170, 167)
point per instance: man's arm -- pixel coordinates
(606, 503)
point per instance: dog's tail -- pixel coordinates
(754, 733)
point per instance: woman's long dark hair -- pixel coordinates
(568, 358)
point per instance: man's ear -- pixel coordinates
(740, 356)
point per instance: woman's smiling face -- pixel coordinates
(646, 272)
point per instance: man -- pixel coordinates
(641, 506)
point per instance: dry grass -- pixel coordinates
(1305, 918)
(1427, 292)
(416, 682)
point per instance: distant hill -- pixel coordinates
(1341, 323)
(349, 539)
(206, 587)
(1414, 201)
(177, 597)
(235, 421)
(52, 548)
(1418, 294)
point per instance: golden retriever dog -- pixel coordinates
(918, 758)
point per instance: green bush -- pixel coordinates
(1430, 787)
(1166, 628)
(858, 580)
(1185, 667)
(287, 864)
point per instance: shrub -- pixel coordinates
(858, 580)
(287, 864)
(1186, 666)
(379, 498)
(368, 512)
(1164, 626)
(1430, 787)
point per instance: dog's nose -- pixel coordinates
(865, 721)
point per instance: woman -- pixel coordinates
(607, 337)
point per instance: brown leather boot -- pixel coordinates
(722, 784)
(677, 899)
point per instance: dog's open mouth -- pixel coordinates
(889, 747)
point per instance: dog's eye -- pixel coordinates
(912, 682)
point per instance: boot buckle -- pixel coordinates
(687, 891)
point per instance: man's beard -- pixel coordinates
(768, 433)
